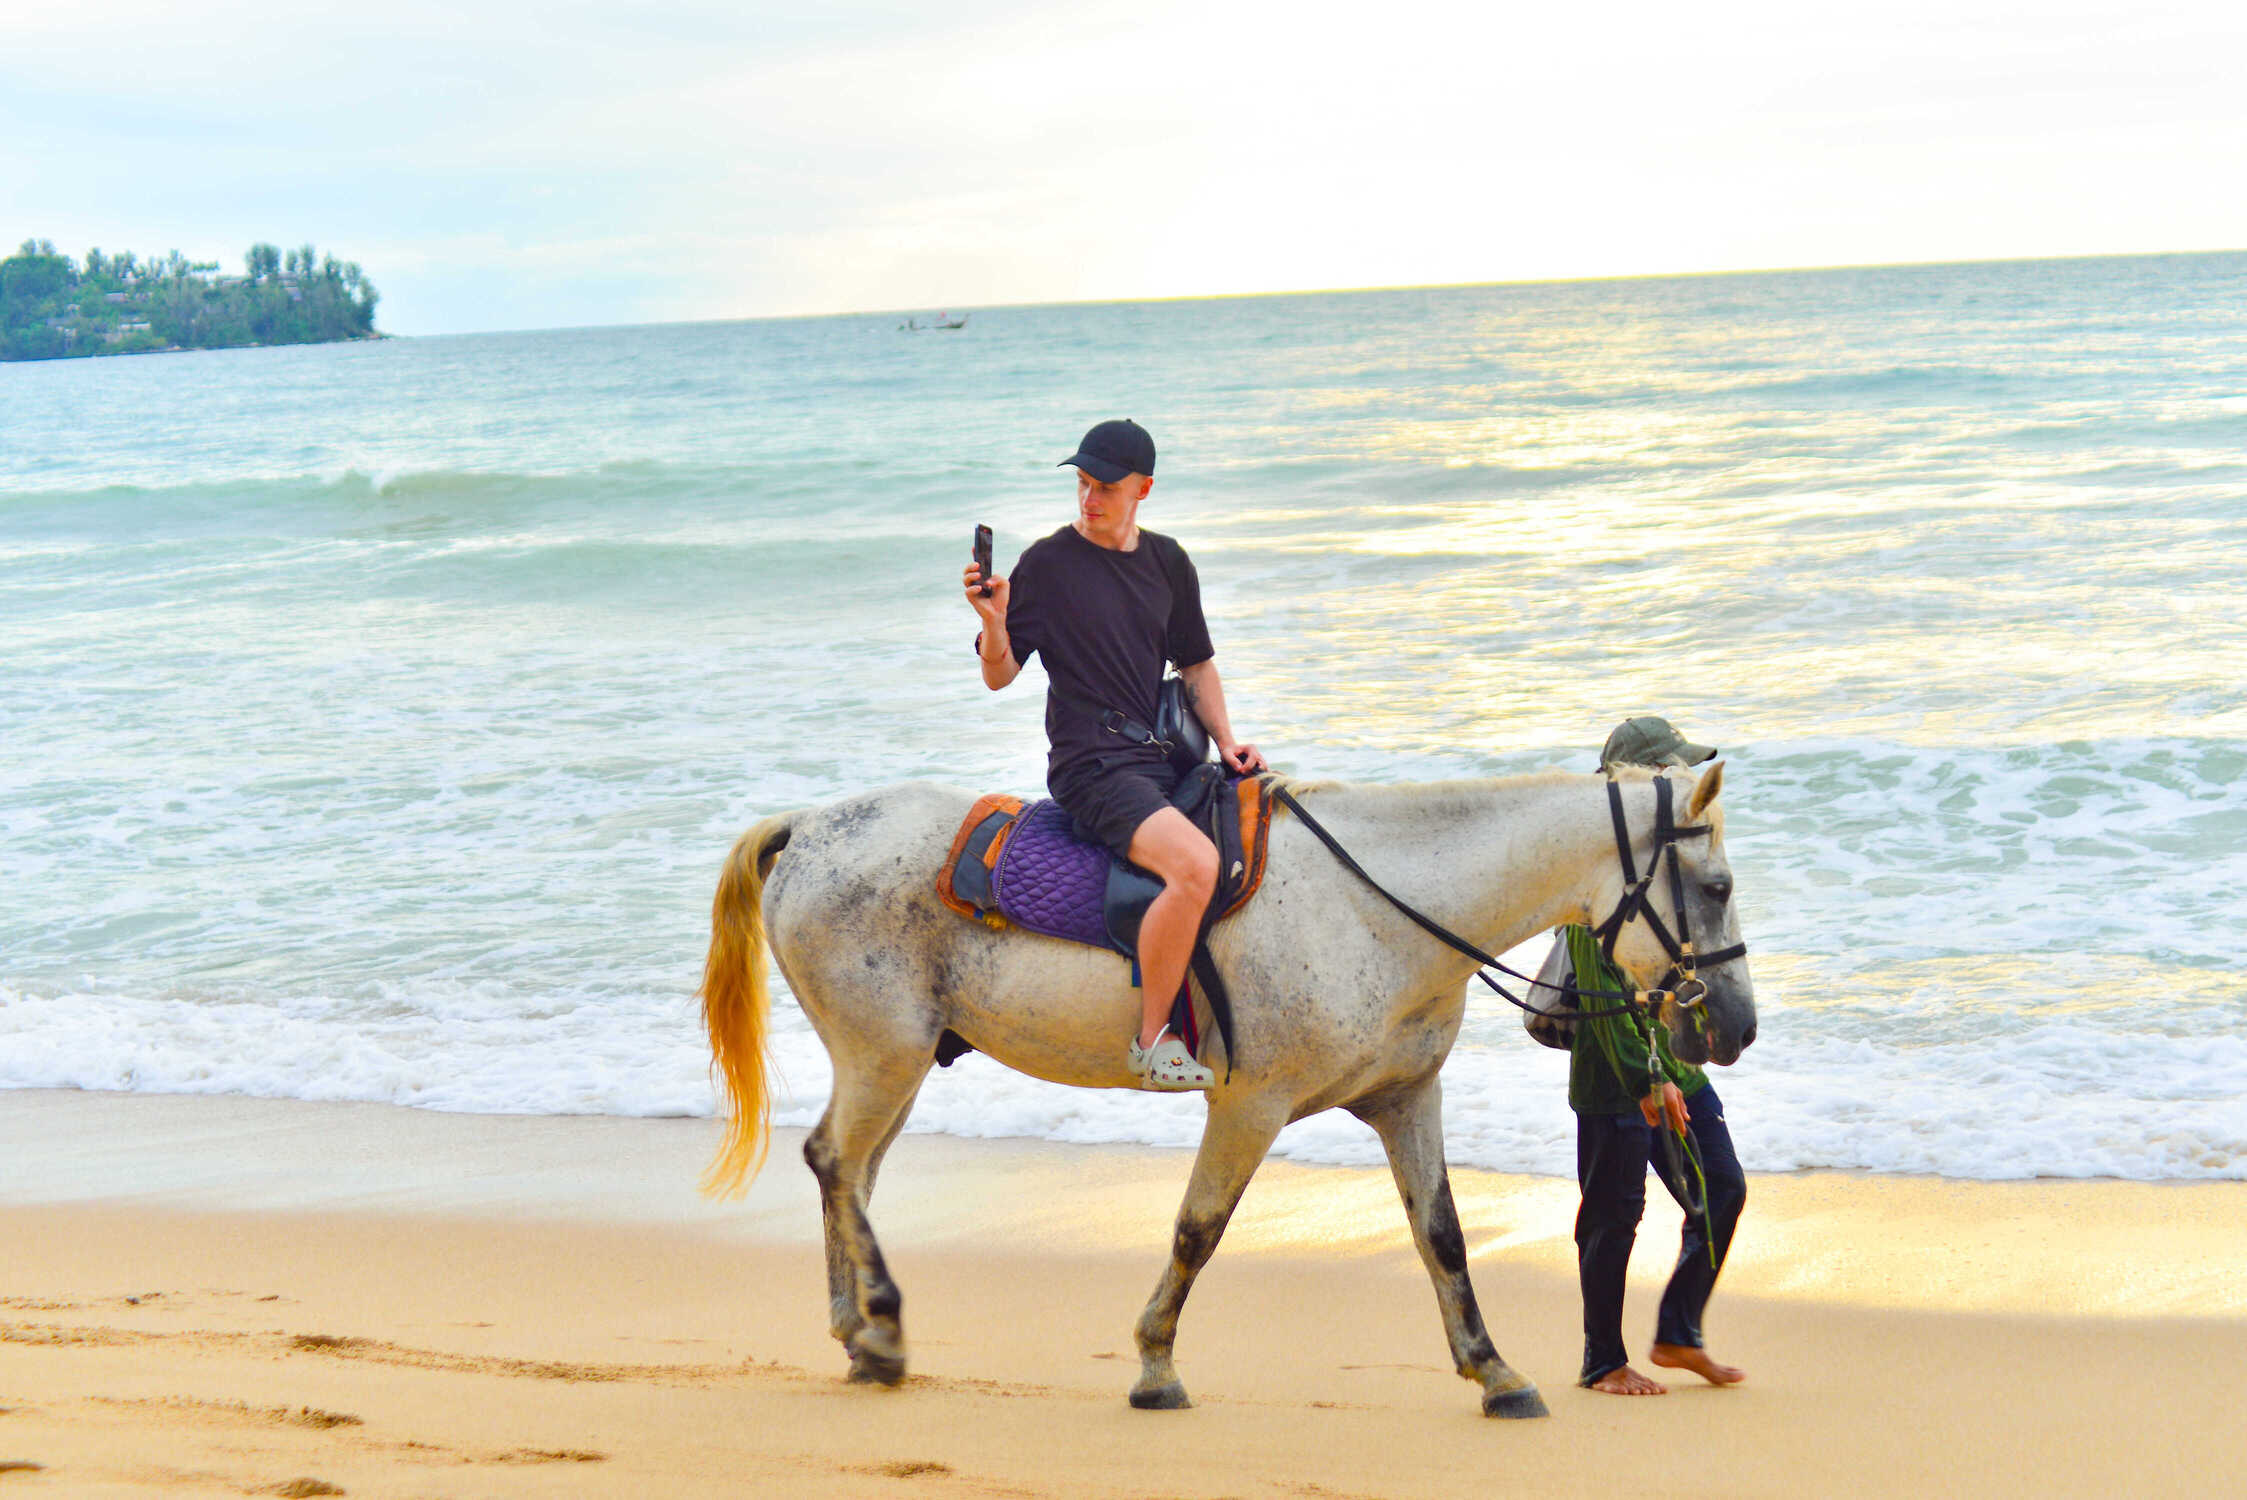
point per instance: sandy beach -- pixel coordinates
(229, 1296)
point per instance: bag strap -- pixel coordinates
(1114, 720)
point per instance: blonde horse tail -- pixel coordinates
(735, 1004)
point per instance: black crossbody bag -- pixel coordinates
(1177, 732)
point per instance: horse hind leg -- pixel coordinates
(843, 1316)
(1233, 1146)
(1410, 1124)
(865, 1307)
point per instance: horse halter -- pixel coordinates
(1668, 834)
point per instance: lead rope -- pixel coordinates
(1685, 1146)
(1679, 1150)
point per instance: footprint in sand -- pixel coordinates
(238, 1412)
(902, 1468)
(1416, 1369)
(327, 1341)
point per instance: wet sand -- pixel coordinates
(227, 1296)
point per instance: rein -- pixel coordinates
(1679, 1150)
(1450, 939)
(1636, 1003)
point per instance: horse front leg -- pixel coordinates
(1410, 1124)
(1233, 1146)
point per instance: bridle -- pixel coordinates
(1638, 1004)
(1668, 834)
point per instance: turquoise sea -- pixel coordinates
(375, 715)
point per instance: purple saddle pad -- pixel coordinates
(1051, 881)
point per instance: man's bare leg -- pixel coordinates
(1627, 1382)
(1169, 847)
(1682, 1357)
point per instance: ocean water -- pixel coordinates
(375, 716)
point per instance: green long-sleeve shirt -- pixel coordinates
(1607, 1059)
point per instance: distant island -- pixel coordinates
(52, 307)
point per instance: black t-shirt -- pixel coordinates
(1105, 622)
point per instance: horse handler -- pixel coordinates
(1106, 603)
(1616, 1138)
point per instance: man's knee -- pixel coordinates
(1720, 1165)
(1728, 1194)
(1199, 874)
(1611, 1211)
(1195, 876)
(1177, 853)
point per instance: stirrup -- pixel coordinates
(1168, 1067)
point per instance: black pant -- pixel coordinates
(1612, 1155)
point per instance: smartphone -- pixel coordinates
(983, 558)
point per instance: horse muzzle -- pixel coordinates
(1710, 1023)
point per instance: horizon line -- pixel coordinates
(1340, 291)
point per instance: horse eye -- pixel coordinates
(1718, 890)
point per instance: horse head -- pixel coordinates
(1686, 910)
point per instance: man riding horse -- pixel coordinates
(1359, 991)
(1106, 603)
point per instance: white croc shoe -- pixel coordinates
(1168, 1067)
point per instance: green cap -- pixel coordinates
(1651, 741)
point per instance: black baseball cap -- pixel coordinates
(1112, 450)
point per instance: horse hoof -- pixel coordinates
(1171, 1397)
(1521, 1402)
(867, 1368)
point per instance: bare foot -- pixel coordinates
(1679, 1357)
(1628, 1382)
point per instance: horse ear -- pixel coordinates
(1704, 792)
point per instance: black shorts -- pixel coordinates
(1109, 803)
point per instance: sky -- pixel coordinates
(576, 162)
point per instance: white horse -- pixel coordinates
(1339, 1001)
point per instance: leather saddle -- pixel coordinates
(1021, 865)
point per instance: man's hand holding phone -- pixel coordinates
(989, 598)
(987, 595)
(986, 590)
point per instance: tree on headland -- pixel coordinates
(52, 308)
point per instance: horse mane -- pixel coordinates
(1471, 792)
(1457, 786)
